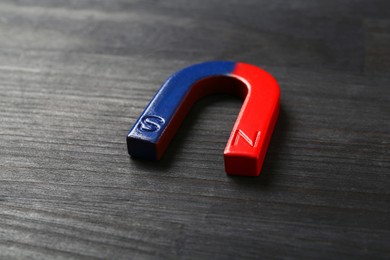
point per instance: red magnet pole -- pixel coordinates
(248, 142)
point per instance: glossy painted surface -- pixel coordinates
(248, 142)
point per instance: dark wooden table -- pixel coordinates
(76, 74)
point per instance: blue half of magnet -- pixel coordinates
(144, 136)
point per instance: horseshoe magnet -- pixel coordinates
(246, 148)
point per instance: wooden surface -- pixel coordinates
(76, 74)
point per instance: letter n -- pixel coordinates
(240, 135)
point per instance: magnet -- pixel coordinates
(246, 148)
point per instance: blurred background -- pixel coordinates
(76, 74)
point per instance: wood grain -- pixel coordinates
(74, 76)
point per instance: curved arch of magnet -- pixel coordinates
(249, 139)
